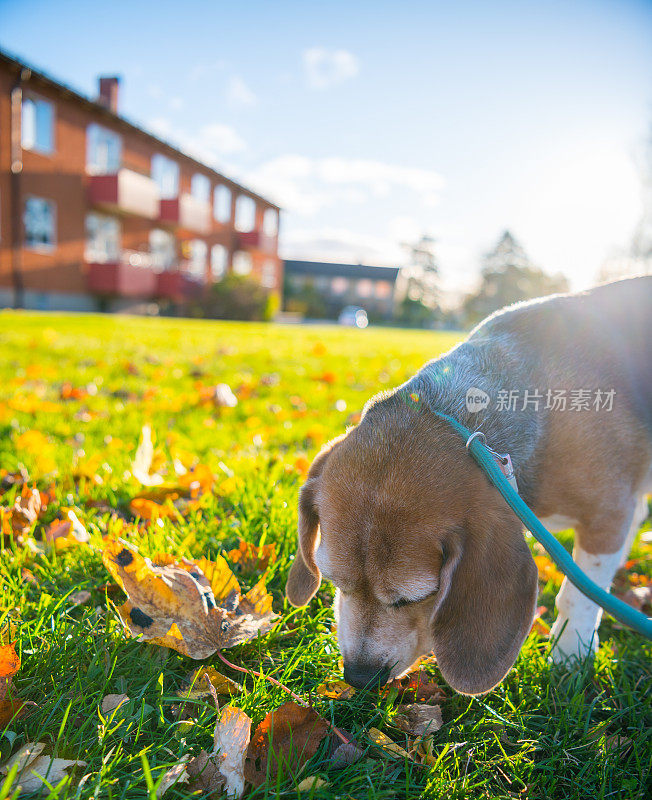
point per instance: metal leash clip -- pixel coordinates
(503, 460)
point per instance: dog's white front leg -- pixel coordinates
(575, 631)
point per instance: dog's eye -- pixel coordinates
(403, 601)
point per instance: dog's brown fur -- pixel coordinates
(405, 511)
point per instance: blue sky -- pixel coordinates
(371, 122)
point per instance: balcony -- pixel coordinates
(187, 212)
(126, 191)
(127, 277)
(179, 286)
(257, 240)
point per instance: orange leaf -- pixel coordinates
(253, 557)
(286, 738)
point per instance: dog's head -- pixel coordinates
(424, 553)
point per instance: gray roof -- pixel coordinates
(327, 269)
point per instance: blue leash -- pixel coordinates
(485, 459)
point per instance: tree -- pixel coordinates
(419, 305)
(508, 276)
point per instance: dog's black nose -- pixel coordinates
(362, 674)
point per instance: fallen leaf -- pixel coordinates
(419, 719)
(287, 738)
(112, 701)
(148, 509)
(80, 597)
(34, 769)
(204, 774)
(223, 397)
(547, 570)
(310, 783)
(9, 666)
(26, 510)
(346, 754)
(142, 463)
(638, 596)
(230, 743)
(335, 690)
(253, 557)
(200, 681)
(28, 577)
(416, 685)
(386, 744)
(176, 774)
(68, 532)
(539, 625)
(175, 605)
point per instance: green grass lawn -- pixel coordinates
(543, 733)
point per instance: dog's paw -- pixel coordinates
(571, 644)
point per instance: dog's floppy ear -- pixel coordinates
(489, 604)
(305, 577)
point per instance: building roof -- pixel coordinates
(16, 65)
(325, 268)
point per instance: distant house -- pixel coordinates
(96, 212)
(322, 289)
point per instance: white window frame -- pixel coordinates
(97, 255)
(33, 146)
(244, 201)
(270, 222)
(219, 205)
(97, 168)
(217, 273)
(199, 179)
(164, 163)
(237, 267)
(163, 260)
(268, 274)
(195, 246)
(48, 247)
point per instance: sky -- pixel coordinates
(372, 123)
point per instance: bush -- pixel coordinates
(239, 297)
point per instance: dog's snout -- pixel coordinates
(362, 674)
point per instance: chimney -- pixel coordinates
(108, 95)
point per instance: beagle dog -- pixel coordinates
(424, 552)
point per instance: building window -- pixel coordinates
(163, 248)
(38, 125)
(245, 214)
(102, 239)
(200, 188)
(198, 256)
(270, 222)
(222, 204)
(268, 276)
(383, 289)
(364, 288)
(103, 150)
(165, 172)
(242, 263)
(40, 224)
(219, 258)
(339, 285)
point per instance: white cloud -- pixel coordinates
(210, 143)
(238, 93)
(306, 186)
(324, 68)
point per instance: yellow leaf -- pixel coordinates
(387, 745)
(335, 690)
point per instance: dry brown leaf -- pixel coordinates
(346, 754)
(419, 719)
(416, 685)
(285, 739)
(204, 774)
(176, 774)
(34, 768)
(68, 532)
(112, 701)
(639, 596)
(230, 744)
(175, 604)
(26, 510)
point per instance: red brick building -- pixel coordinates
(97, 213)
